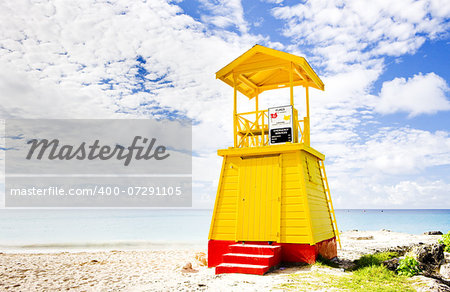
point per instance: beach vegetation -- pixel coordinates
(368, 275)
(374, 278)
(445, 240)
(371, 278)
(375, 259)
(408, 266)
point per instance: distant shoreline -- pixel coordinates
(99, 230)
(167, 245)
(106, 246)
(187, 208)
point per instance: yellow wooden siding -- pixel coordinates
(294, 239)
(318, 206)
(294, 226)
(224, 223)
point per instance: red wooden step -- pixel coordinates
(250, 259)
(255, 249)
(241, 268)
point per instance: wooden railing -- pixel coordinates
(252, 130)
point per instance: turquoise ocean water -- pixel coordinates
(58, 230)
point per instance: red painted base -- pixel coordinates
(290, 252)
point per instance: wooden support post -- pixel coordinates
(235, 110)
(307, 123)
(256, 100)
(307, 101)
(291, 82)
(257, 119)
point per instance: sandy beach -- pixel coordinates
(162, 270)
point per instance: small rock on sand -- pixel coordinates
(432, 233)
(187, 268)
(431, 254)
(391, 264)
(362, 237)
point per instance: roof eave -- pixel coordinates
(300, 61)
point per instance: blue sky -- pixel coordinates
(382, 122)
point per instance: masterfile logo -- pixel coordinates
(146, 151)
(98, 163)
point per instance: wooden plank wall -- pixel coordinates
(300, 177)
(318, 206)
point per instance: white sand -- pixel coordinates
(162, 270)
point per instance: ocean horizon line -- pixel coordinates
(182, 208)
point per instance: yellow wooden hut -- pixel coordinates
(273, 201)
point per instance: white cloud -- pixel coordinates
(421, 94)
(367, 193)
(225, 13)
(389, 152)
(273, 1)
(71, 57)
(401, 151)
(358, 31)
(430, 193)
(365, 174)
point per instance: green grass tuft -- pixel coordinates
(445, 241)
(408, 267)
(374, 278)
(369, 275)
(375, 259)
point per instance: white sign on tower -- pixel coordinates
(281, 125)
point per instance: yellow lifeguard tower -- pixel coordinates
(273, 201)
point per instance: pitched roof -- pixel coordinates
(260, 69)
